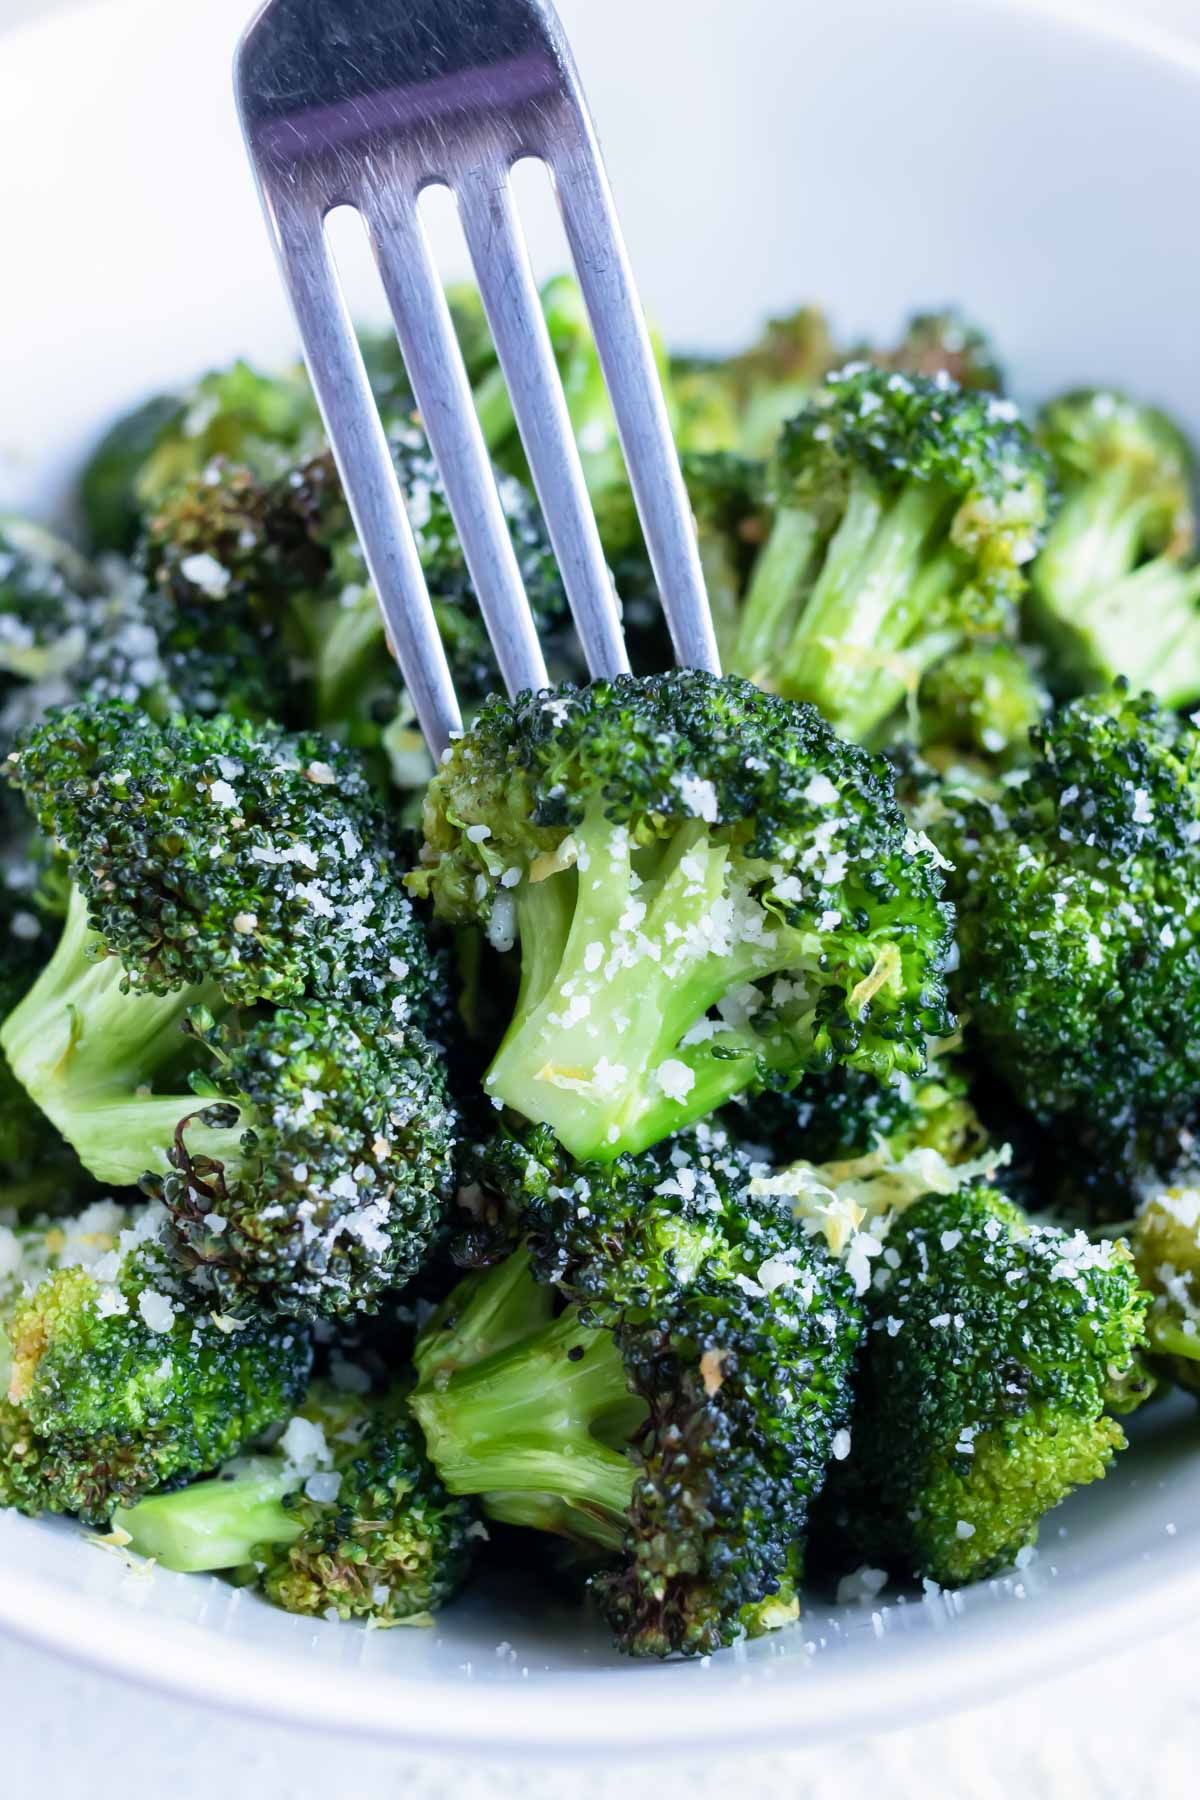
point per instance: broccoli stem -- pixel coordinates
(1144, 625)
(83, 1049)
(215, 1524)
(774, 586)
(346, 655)
(617, 968)
(1095, 540)
(533, 1427)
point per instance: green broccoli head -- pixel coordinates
(1112, 595)
(340, 1165)
(847, 1114)
(710, 891)
(983, 699)
(114, 1379)
(214, 864)
(943, 343)
(1078, 902)
(345, 1518)
(680, 1413)
(46, 591)
(239, 414)
(995, 1348)
(907, 513)
(1166, 1248)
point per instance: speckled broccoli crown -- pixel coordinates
(345, 1169)
(1078, 891)
(994, 1347)
(737, 1332)
(118, 1379)
(217, 851)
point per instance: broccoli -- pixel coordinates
(776, 376)
(710, 891)
(113, 1379)
(46, 589)
(942, 343)
(983, 699)
(326, 1168)
(705, 402)
(906, 511)
(214, 863)
(1112, 594)
(262, 421)
(346, 1517)
(847, 1114)
(1078, 895)
(995, 1350)
(1166, 1248)
(679, 1413)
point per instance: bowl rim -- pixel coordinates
(985, 1654)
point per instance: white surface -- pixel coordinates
(1070, 163)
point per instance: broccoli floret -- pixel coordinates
(1166, 1248)
(942, 343)
(341, 627)
(340, 1170)
(214, 863)
(995, 1350)
(113, 1379)
(1078, 895)
(847, 1114)
(984, 699)
(679, 1414)
(706, 409)
(709, 891)
(347, 1517)
(906, 513)
(1112, 594)
(240, 414)
(45, 594)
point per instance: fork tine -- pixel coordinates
(365, 464)
(439, 381)
(518, 327)
(627, 359)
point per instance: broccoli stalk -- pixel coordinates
(1112, 595)
(709, 890)
(906, 511)
(346, 1517)
(677, 1416)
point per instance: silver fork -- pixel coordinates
(364, 103)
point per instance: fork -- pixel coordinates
(365, 103)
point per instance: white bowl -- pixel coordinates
(872, 156)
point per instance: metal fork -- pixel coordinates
(365, 103)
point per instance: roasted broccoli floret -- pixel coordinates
(1112, 594)
(214, 864)
(113, 1379)
(1166, 1248)
(327, 1166)
(996, 1349)
(46, 589)
(942, 343)
(239, 414)
(346, 1517)
(1078, 895)
(984, 700)
(679, 1414)
(710, 891)
(906, 513)
(847, 1114)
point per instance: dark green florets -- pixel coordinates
(680, 1413)
(907, 512)
(1078, 895)
(340, 1169)
(346, 1518)
(994, 1348)
(114, 1379)
(710, 891)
